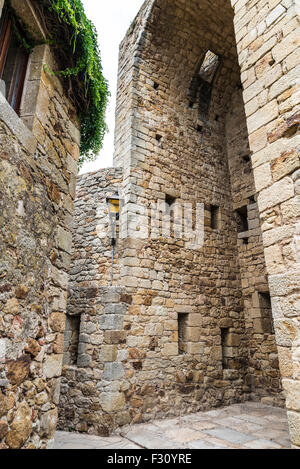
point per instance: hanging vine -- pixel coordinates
(75, 41)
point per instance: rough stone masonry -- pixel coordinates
(207, 112)
(38, 167)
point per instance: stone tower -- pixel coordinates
(208, 116)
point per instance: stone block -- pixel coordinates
(64, 240)
(112, 401)
(17, 127)
(258, 140)
(274, 260)
(108, 353)
(288, 80)
(194, 320)
(286, 164)
(117, 309)
(286, 46)
(232, 340)
(275, 15)
(294, 427)
(84, 360)
(170, 349)
(115, 337)
(194, 348)
(286, 331)
(291, 209)
(284, 284)
(20, 428)
(292, 394)
(192, 334)
(279, 192)
(263, 116)
(285, 362)
(18, 370)
(48, 423)
(53, 366)
(113, 371)
(262, 176)
(111, 322)
(226, 323)
(12, 306)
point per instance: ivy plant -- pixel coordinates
(74, 38)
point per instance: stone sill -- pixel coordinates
(244, 235)
(17, 126)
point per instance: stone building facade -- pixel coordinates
(207, 114)
(38, 168)
(207, 124)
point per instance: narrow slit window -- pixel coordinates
(225, 349)
(202, 83)
(214, 217)
(242, 219)
(209, 66)
(266, 312)
(13, 61)
(72, 334)
(182, 324)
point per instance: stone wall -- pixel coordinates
(173, 149)
(196, 329)
(38, 167)
(267, 34)
(94, 337)
(263, 373)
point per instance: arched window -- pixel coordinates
(202, 83)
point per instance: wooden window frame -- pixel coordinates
(15, 92)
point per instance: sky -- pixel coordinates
(112, 19)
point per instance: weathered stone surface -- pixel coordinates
(3, 429)
(111, 402)
(20, 428)
(53, 366)
(18, 371)
(32, 347)
(194, 317)
(12, 306)
(36, 175)
(294, 426)
(292, 390)
(113, 371)
(48, 423)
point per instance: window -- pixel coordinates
(225, 348)
(202, 83)
(209, 67)
(262, 313)
(215, 217)
(242, 219)
(243, 224)
(266, 312)
(13, 61)
(170, 200)
(182, 324)
(72, 334)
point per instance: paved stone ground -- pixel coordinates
(240, 426)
